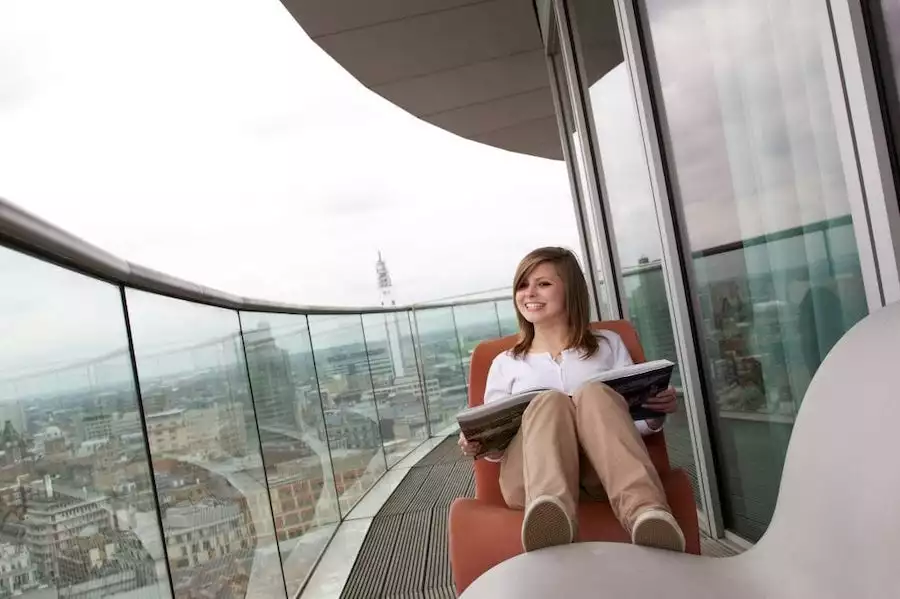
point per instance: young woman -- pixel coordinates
(581, 431)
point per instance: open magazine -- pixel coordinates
(496, 423)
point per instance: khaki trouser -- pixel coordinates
(594, 425)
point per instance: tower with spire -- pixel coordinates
(391, 324)
(384, 282)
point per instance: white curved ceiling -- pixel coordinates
(475, 68)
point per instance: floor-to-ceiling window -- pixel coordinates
(883, 21)
(749, 118)
(586, 209)
(626, 180)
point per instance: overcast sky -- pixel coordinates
(215, 141)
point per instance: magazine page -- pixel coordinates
(496, 423)
(634, 369)
(499, 405)
(639, 383)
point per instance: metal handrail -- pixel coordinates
(21, 230)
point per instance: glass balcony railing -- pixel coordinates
(161, 444)
(160, 438)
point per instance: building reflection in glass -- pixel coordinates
(205, 449)
(749, 125)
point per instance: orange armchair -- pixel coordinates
(484, 531)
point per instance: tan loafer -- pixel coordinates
(546, 524)
(658, 528)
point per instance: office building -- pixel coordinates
(54, 519)
(104, 564)
(272, 379)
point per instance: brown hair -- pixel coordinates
(577, 300)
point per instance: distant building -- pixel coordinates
(296, 488)
(209, 432)
(196, 534)
(167, 432)
(17, 572)
(391, 320)
(97, 426)
(271, 378)
(173, 488)
(353, 475)
(13, 494)
(104, 564)
(12, 411)
(220, 430)
(53, 519)
(346, 363)
(649, 309)
(12, 445)
(156, 400)
(50, 441)
(91, 448)
(409, 386)
(401, 407)
(351, 429)
(125, 424)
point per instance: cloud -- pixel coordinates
(216, 142)
(213, 140)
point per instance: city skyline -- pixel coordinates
(260, 434)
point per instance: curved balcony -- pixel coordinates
(161, 438)
(231, 441)
(219, 440)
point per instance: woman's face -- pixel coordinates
(541, 297)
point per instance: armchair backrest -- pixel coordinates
(487, 474)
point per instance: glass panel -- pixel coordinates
(884, 33)
(398, 390)
(74, 473)
(474, 324)
(509, 325)
(445, 381)
(620, 147)
(217, 518)
(351, 417)
(593, 234)
(749, 130)
(294, 443)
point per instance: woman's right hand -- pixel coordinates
(469, 448)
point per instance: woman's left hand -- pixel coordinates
(664, 402)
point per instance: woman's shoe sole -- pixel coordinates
(546, 524)
(660, 533)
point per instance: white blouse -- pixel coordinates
(509, 375)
